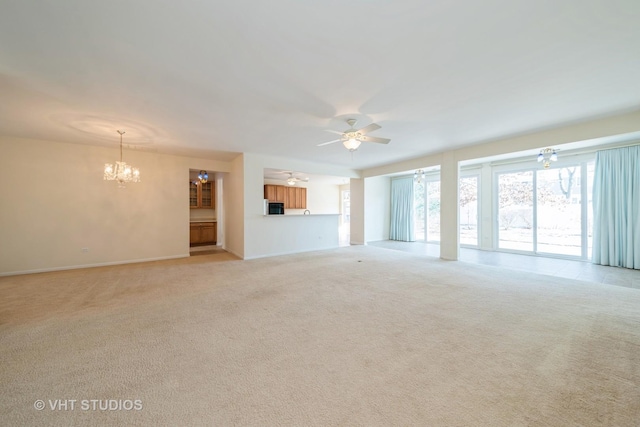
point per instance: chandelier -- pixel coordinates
(203, 176)
(547, 155)
(418, 176)
(123, 173)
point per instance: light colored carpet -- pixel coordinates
(352, 336)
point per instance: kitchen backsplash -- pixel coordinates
(202, 214)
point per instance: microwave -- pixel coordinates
(276, 208)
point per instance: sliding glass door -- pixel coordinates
(546, 211)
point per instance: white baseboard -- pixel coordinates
(101, 264)
(291, 252)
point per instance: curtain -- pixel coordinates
(616, 208)
(402, 210)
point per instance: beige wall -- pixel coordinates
(54, 203)
(234, 208)
(377, 208)
(357, 195)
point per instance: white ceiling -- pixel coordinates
(272, 77)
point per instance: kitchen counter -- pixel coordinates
(191, 221)
(287, 234)
(296, 215)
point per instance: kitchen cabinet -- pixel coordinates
(275, 193)
(295, 198)
(203, 233)
(292, 197)
(202, 196)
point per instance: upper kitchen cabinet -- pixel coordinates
(202, 196)
(275, 193)
(295, 198)
(292, 197)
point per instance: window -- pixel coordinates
(559, 211)
(515, 211)
(546, 211)
(346, 206)
(433, 211)
(419, 217)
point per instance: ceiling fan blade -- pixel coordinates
(330, 142)
(377, 140)
(370, 128)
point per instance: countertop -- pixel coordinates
(290, 215)
(191, 221)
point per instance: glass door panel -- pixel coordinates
(433, 211)
(469, 210)
(515, 211)
(207, 200)
(419, 219)
(193, 195)
(559, 211)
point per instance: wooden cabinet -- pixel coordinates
(295, 198)
(275, 193)
(292, 197)
(203, 233)
(202, 196)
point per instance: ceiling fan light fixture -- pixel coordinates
(352, 138)
(546, 156)
(352, 143)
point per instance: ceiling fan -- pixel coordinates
(291, 179)
(352, 138)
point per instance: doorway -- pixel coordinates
(205, 211)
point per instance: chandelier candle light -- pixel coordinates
(203, 176)
(418, 176)
(123, 172)
(547, 155)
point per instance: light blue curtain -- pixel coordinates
(616, 207)
(402, 210)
